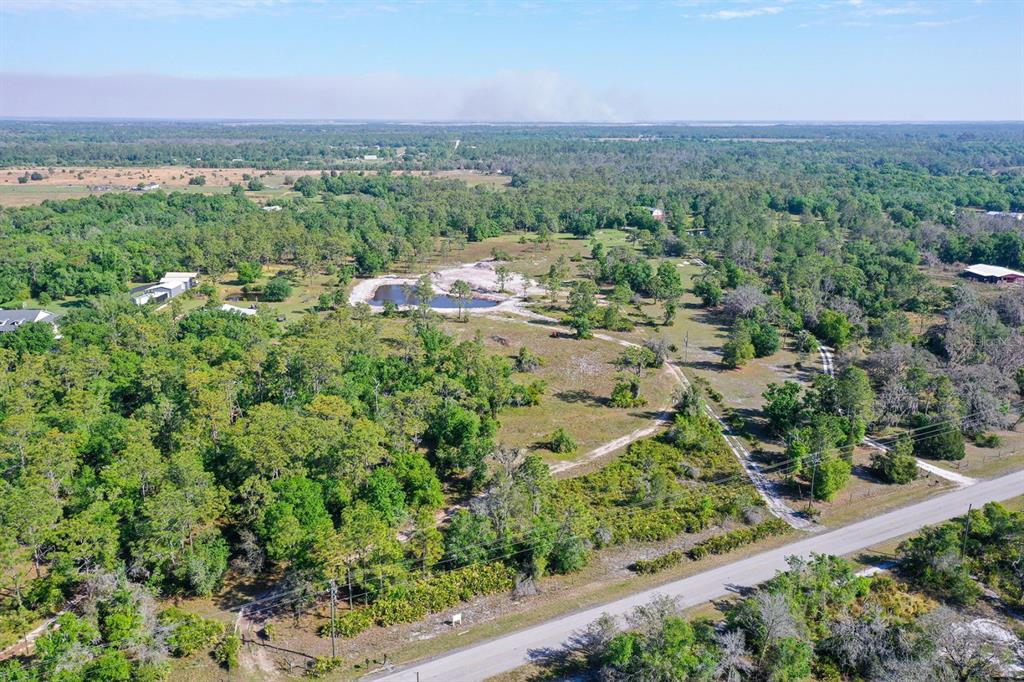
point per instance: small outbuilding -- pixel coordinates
(992, 273)
(228, 308)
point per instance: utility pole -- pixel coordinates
(814, 475)
(334, 612)
(686, 347)
(967, 530)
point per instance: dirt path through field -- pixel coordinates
(765, 487)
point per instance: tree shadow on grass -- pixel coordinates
(869, 558)
(866, 473)
(705, 365)
(754, 423)
(715, 319)
(581, 395)
(652, 413)
(555, 663)
(78, 303)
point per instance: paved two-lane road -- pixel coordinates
(479, 661)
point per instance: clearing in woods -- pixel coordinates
(78, 182)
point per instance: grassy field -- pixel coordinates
(579, 377)
(306, 291)
(75, 183)
(988, 462)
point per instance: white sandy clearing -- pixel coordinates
(481, 276)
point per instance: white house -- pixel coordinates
(10, 320)
(170, 285)
(272, 207)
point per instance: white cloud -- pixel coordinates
(940, 23)
(891, 10)
(742, 13)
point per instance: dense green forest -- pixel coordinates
(148, 455)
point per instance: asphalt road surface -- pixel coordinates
(484, 659)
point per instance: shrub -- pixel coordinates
(226, 652)
(411, 602)
(323, 665)
(627, 393)
(718, 544)
(528, 361)
(659, 563)
(561, 442)
(388, 612)
(734, 539)
(197, 180)
(189, 632)
(349, 623)
(528, 395)
(897, 465)
(988, 440)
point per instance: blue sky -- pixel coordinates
(433, 60)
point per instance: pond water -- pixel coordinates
(396, 294)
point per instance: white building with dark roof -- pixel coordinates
(170, 285)
(992, 273)
(10, 320)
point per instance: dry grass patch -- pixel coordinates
(580, 376)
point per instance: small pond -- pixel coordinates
(396, 294)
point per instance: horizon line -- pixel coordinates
(487, 122)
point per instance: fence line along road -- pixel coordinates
(483, 660)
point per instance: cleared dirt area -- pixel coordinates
(74, 183)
